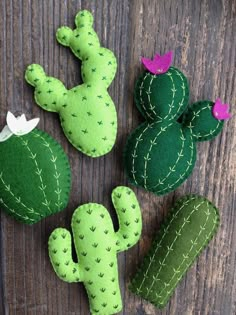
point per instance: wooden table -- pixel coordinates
(202, 35)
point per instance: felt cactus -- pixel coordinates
(87, 112)
(188, 229)
(34, 172)
(160, 154)
(97, 245)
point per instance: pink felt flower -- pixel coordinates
(220, 111)
(159, 64)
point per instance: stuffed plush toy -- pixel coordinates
(87, 112)
(160, 154)
(97, 245)
(34, 171)
(188, 229)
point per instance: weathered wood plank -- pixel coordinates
(202, 35)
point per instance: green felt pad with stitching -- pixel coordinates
(160, 154)
(97, 245)
(188, 229)
(34, 177)
(87, 112)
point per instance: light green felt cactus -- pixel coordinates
(187, 231)
(97, 245)
(87, 112)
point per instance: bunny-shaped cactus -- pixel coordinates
(160, 154)
(34, 171)
(87, 112)
(96, 246)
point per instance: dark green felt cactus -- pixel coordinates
(188, 229)
(35, 176)
(97, 245)
(87, 112)
(160, 154)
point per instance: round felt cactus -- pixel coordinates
(97, 245)
(87, 112)
(34, 175)
(160, 154)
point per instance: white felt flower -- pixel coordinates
(18, 126)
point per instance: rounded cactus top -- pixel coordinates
(162, 97)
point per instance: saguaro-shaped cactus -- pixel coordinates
(160, 154)
(34, 172)
(190, 226)
(87, 112)
(97, 246)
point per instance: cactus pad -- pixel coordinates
(97, 245)
(161, 153)
(87, 112)
(34, 176)
(187, 231)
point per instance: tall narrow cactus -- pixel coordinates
(87, 112)
(190, 226)
(34, 174)
(97, 246)
(160, 154)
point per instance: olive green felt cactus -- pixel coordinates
(188, 229)
(34, 174)
(87, 112)
(160, 154)
(97, 245)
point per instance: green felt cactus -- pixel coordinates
(160, 154)
(97, 245)
(188, 229)
(35, 174)
(87, 112)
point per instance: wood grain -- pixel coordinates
(202, 34)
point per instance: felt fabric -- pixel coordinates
(97, 244)
(34, 176)
(87, 112)
(160, 154)
(220, 110)
(160, 64)
(188, 229)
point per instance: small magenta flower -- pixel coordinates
(159, 64)
(220, 111)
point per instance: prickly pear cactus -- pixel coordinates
(87, 112)
(160, 154)
(97, 245)
(190, 226)
(34, 174)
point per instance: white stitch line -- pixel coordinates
(185, 203)
(184, 93)
(195, 114)
(134, 154)
(18, 199)
(172, 169)
(38, 172)
(195, 208)
(190, 163)
(15, 213)
(147, 158)
(57, 174)
(141, 98)
(171, 106)
(176, 271)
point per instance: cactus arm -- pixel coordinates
(50, 93)
(129, 216)
(59, 246)
(201, 122)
